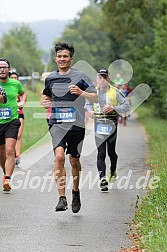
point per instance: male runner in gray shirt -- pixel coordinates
(65, 91)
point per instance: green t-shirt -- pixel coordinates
(9, 110)
(119, 81)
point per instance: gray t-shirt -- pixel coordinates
(67, 109)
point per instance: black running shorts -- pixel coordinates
(9, 130)
(71, 141)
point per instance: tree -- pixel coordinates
(20, 47)
(91, 42)
(139, 30)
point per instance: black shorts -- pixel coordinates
(21, 116)
(72, 140)
(9, 130)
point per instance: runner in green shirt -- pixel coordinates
(9, 122)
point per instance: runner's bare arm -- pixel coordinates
(93, 97)
(22, 101)
(46, 101)
(1, 99)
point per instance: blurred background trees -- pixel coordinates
(139, 31)
(20, 47)
(105, 31)
(89, 39)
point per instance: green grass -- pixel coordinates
(34, 129)
(151, 220)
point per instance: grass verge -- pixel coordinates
(34, 129)
(151, 220)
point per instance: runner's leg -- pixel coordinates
(59, 170)
(2, 157)
(10, 156)
(76, 168)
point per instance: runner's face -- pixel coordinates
(103, 81)
(4, 70)
(13, 76)
(63, 60)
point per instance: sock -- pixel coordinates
(7, 177)
(62, 197)
(75, 192)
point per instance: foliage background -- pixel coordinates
(103, 32)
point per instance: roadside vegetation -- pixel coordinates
(34, 129)
(151, 219)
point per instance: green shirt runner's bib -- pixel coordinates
(5, 113)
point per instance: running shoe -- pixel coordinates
(104, 184)
(62, 204)
(17, 161)
(76, 202)
(112, 177)
(6, 185)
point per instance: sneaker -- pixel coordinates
(76, 202)
(6, 185)
(112, 177)
(17, 161)
(104, 185)
(62, 204)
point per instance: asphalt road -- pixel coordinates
(28, 221)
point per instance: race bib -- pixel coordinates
(104, 127)
(65, 114)
(5, 113)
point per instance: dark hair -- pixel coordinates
(14, 73)
(7, 61)
(64, 46)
